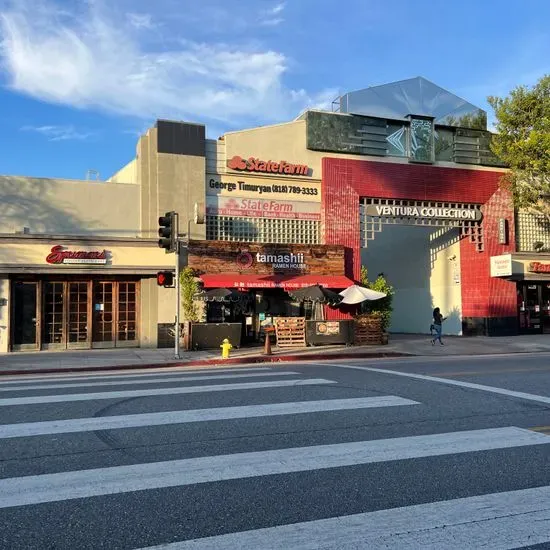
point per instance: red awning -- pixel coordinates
(236, 280)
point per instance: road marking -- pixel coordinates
(489, 373)
(164, 373)
(491, 389)
(500, 521)
(153, 380)
(197, 415)
(22, 491)
(33, 400)
(542, 429)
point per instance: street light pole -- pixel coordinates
(177, 269)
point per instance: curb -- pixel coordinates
(254, 359)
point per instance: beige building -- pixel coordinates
(416, 197)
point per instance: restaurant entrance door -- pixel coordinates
(534, 307)
(76, 313)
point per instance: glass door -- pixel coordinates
(26, 324)
(53, 319)
(78, 315)
(103, 315)
(545, 308)
(127, 334)
(529, 308)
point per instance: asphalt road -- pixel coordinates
(410, 453)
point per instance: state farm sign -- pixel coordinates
(253, 164)
(262, 208)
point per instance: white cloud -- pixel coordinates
(92, 61)
(58, 133)
(278, 8)
(272, 16)
(140, 20)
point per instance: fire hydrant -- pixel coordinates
(226, 348)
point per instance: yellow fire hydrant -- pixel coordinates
(226, 348)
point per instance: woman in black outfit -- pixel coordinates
(437, 322)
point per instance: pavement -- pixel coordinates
(399, 345)
(413, 452)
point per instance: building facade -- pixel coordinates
(398, 178)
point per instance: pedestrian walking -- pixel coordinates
(437, 322)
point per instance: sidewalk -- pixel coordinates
(400, 345)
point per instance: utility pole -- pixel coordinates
(178, 284)
(169, 240)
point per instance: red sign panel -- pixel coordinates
(263, 208)
(60, 256)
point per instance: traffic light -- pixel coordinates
(168, 231)
(165, 279)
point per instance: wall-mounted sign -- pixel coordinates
(60, 256)
(501, 266)
(429, 212)
(279, 261)
(223, 257)
(252, 187)
(253, 164)
(538, 267)
(262, 208)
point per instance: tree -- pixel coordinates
(523, 143)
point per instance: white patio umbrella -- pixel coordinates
(356, 294)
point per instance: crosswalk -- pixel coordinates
(192, 442)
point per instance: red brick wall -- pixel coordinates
(346, 181)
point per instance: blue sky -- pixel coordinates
(80, 79)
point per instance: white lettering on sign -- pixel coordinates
(282, 261)
(446, 213)
(262, 208)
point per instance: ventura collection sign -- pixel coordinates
(426, 212)
(60, 256)
(253, 164)
(262, 208)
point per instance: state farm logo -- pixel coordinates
(245, 260)
(236, 163)
(253, 164)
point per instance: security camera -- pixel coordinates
(452, 258)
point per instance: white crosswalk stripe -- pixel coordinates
(197, 415)
(148, 381)
(120, 479)
(110, 376)
(498, 520)
(8, 402)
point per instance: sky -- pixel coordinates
(80, 80)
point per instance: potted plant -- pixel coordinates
(190, 311)
(377, 314)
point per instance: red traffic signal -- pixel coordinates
(165, 278)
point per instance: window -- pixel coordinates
(262, 230)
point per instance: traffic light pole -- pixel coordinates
(177, 266)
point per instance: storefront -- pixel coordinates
(76, 295)
(531, 275)
(261, 276)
